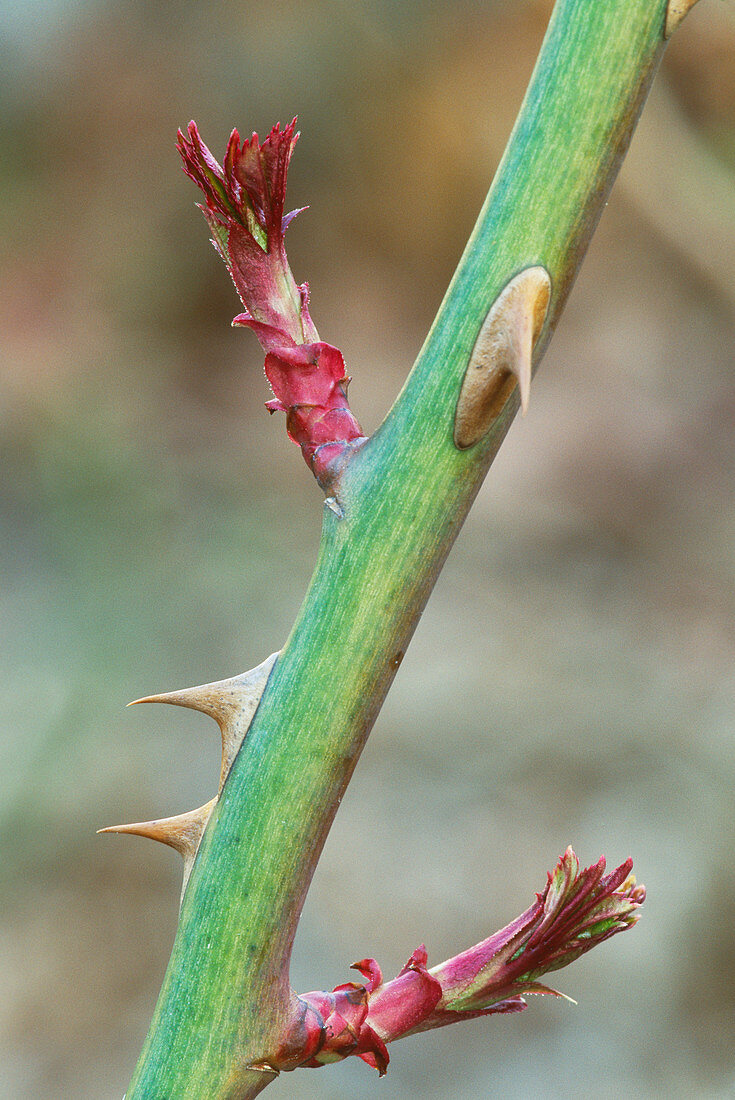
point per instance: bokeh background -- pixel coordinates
(573, 678)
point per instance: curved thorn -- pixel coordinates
(502, 357)
(675, 12)
(182, 832)
(520, 358)
(232, 703)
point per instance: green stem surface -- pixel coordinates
(404, 497)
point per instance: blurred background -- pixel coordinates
(573, 678)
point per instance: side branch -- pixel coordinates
(576, 911)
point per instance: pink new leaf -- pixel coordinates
(576, 911)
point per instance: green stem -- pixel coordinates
(404, 497)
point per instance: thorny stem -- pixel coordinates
(402, 500)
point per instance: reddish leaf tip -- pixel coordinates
(369, 970)
(244, 207)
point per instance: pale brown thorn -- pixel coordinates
(182, 832)
(501, 358)
(232, 703)
(675, 12)
(520, 351)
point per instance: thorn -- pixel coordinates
(520, 359)
(502, 357)
(232, 703)
(182, 832)
(675, 12)
(333, 505)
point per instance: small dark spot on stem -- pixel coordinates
(396, 659)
